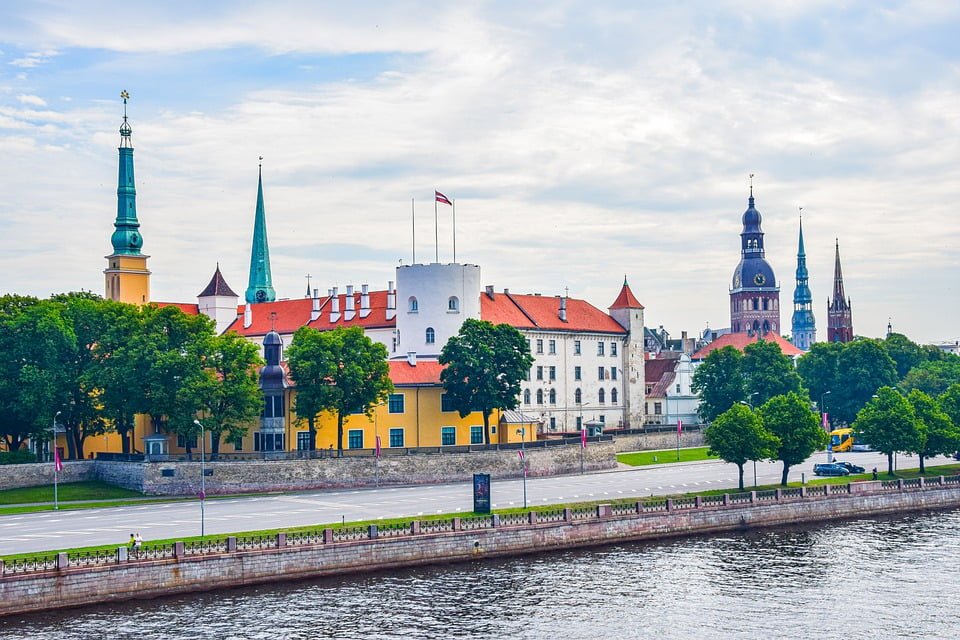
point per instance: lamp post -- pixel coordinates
(56, 464)
(522, 432)
(824, 419)
(203, 485)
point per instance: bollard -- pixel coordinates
(178, 551)
(231, 544)
(328, 536)
(568, 514)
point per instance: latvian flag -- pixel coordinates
(442, 198)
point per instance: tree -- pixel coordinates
(768, 373)
(341, 371)
(889, 424)
(228, 393)
(938, 435)
(789, 418)
(905, 353)
(719, 382)
(738, 435)
(483, 366)
(949, 402)
(933, 377)
(862, 367)
(818, 369)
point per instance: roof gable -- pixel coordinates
(741, 340)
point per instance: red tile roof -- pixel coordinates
(626, 299)
(543, 312)
(295, 313)
(741, 340)
(186, 307)
(376, 318)
(427, 372)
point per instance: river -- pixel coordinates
(874, 578)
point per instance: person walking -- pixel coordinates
(137, 541)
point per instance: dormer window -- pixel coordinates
(453, 304)
(412, 305)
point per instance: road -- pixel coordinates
(50, 530)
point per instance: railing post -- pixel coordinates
(940, 481)
(231, 544)
(603, 511)
(495, 520)
(568, 514)
(415, 528)
(803, 491)
(726, 499)
(328, 536)
(63, 561)
(697, 502)
(372, 531)
(900, 484)
(922, 483)
(639, 506)
(178, 550)
(122, 554)
(532, 517)
(1, 568)
(281, 540)
(753, 497)
(669, 504)
(456, 524)
(779, 494)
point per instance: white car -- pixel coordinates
(861, 447)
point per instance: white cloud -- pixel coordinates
(35, 101)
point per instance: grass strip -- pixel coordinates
(85, 490)
(665, 456)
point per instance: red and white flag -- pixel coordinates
(57, 462)
(442, 198)
(826, 421)
(520, 454)
(679, 427)
(377, 450)
(583, 438)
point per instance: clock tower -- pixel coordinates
(754, 296)
(127, 278)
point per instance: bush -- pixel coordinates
(17, 457)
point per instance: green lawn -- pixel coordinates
(87, 490)
(664, 456)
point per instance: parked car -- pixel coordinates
(852, 468)
(830, 469)
(861, 447)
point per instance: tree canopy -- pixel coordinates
(483, 366)
(937, 433)
(862, 368)
(933, 377)
(768, 373)
(905, 353)
(796, 427)
(719, 381)
(889, 423)
(738, 435)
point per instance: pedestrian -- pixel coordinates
(132, 542)
(138, 541)
(874, 473)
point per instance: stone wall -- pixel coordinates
(69, 587)
(657, 440)
(34, 474)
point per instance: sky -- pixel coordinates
(583, 142)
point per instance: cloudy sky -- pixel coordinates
(582, 142)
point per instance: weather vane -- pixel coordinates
(751, 184)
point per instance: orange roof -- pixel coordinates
(295, 313)
(376, 318)
(186, 307)
(427, 372)
(543, 312)
(626, 299)
(741, 340)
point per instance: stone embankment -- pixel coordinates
(70, 580)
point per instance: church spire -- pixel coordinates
(804, 328)
(839, 310)
(126, 239)
(260, 285)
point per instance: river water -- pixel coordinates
(872, 578)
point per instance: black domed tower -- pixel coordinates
(755, 296)
(273, 385)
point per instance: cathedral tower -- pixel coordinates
(755, 296)
(127, 277)
(804, 327)
(839, 311)
(260, 284)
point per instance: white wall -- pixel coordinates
(432, 285)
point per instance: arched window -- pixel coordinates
(553, 396)
(756, 304)
(766, 326)
(578, 396)
(453, 304)
(539, 396)
(412, 305)
(526, 396)
(766, 304)
(613, 395)
(756, 325)
(601, 396)
(431, 335)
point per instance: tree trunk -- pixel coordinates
(124, 431)
(740, 470)
(786, 472)
(312, 427)
(71, 442)
(922, 468)
(339, 434)
(890, 464)
(214, 445)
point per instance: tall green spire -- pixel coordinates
(126, 237)
(260, 285)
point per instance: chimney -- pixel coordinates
(315, 305)
(563, 309)
(506, 292)
(350, 311)
(335, 302)
(489, 289)
(683, 335)
(391, 301)
(247, 315)
(364, 301)
(412, 358)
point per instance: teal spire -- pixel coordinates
(260, 285)
(126, 237)
(804, 326)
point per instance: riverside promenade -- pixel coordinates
(59, 580)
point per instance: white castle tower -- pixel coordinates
(433, 300)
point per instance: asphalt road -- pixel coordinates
(65, 529)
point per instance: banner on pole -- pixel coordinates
(679, 427)
(57, 461)
(377, 450)
(481, 493)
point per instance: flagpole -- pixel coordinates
(413, 224)
(453, 203)
(436, 232)
(56, 463)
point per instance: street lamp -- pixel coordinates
(203, 486)
(522, 432)
(824, 419)
(56, 463)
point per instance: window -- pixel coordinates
(453, 304)
(430, 335)
(303, 440)
(600, 348)
(579, 423)
(526, 396)
(601, 373)
(613, 396)
(657, 409)
(395, 403)
(412, 305)
(601, 396)
(396, 437)
(576, 373)
(448, 436)
(553, 396)
(539, 345)
(613, 348)
(238, 444)
(267, 441)
(183, 441)
(528, 345)
(678, 388)
(539, 373)
(355, 439)
(539, 396)
(603, 419)
(578, 396)
(476, 435)
(552, 373)
(273, 406)
(766, 304)
(613, 373)
(446, 403)
(552, 346)
(553, 422)
(576, 347)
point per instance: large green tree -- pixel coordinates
(933, 377)
(719, 382)
(768, 373)
(938, 435)
(889, 423)
(483, 366)
(341, 371)
(818, 369)
(905, 353)
(862, 367)
(738, 435)
(796, 427)
(949, 402)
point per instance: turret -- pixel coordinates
(260, 285)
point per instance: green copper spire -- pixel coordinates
(126, 237)
(260, 285)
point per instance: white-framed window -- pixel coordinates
(613, 373)
(613, 395)
(601, 396)
(600, 346)
(526, 396)
(552, 373)
(539, 373)
(355, 439)
(601, 371)
(453, 304)
(613, 348)
(539, 345)
(430, 336)
(576, 347)
(578, 397)
(448, 436)
(539, 396)
(577, 373)
(412, 305)
(553, 396)
(551, 347)
(396, 437)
